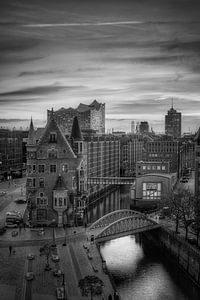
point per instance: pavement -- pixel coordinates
(74, 262)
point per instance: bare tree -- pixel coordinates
(91, 284)
(187, 210)
(197, 217)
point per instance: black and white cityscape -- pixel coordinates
(100, 150)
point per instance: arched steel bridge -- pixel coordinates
(120, 223)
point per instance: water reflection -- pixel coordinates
(143, 274)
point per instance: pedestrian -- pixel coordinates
(10, 249)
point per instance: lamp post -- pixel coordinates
(53, 233)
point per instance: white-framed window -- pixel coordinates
(52, 153)
(42, 201)
(31, 182)
(163, 168)
(65, 168)
(151, 190)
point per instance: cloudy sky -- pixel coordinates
(133, 55)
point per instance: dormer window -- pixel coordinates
(52, 153)
(52, 137)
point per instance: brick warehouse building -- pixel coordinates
(56, 174)
(57, 171)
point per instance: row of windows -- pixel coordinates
(31, 182)
(42, 168)
(153, 167)
(60, 201)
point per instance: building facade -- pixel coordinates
(56, 175)
(144, 127)
(173, 123)
(57, 171)
(152, 189)
(89, 116)
(12, 156)
(163, 151)
(197, 163)
(131, 151)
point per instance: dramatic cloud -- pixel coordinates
(38, 90)
(128, 54)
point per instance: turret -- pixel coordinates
(76, 138)
(31, 135)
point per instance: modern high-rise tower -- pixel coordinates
(173, 123)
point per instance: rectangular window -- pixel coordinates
(41, 182)
(53, 137)
(34, 168)
(41, 214)
(30, 182)
(60, 201)
(158, 167)
(55, 201)
(163, 168)
(41, 168)
(52, 168)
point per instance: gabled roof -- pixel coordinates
(60, 184)
(52, 126)
(31, 135)
(76, 134)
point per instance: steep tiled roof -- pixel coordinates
(31, 135)
(52, 126)
(76, 132)
(60, 184)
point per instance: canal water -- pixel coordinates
(140, 272)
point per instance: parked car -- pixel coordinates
(184, 180)
(30, 256)
(60, 292)
(55, 258)
(20, 201)
(2, 193)
(29, 276)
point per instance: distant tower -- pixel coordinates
(144, 127)
(132, 126)
(173, 122)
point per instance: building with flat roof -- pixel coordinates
(152, 189)
(173, 123)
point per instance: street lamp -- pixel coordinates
(53, 233)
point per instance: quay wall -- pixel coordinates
(174, 246)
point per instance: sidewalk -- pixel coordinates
(29, 236)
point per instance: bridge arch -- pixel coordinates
(114, 216)
(126, 226)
